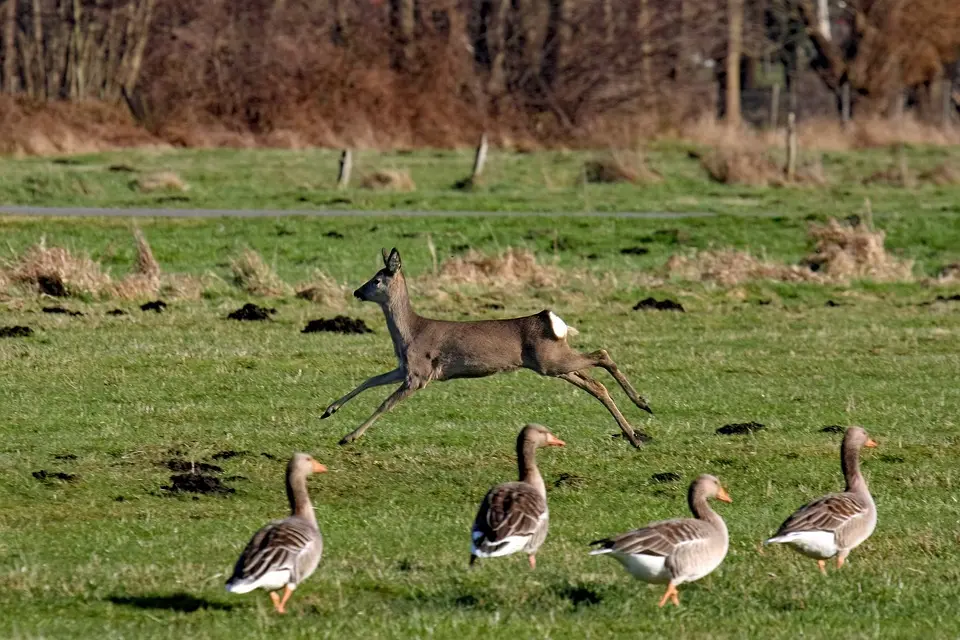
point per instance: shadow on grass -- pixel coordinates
(182, 602)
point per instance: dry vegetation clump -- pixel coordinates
(510, 268)
(55, 271)
(161, 181)
(632, 168)
(255, 276)
(841, 253)
(389, 180)
(742, 165)
(844, 252)
(730, 267)
(323, 290)
(944, 174)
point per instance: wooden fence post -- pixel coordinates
(791, 168)
(346, 164)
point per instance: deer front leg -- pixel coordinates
(600, 392)
(603, 359)
(376, 381)
(405, 391)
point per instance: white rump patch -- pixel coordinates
(270, 581)
(814, 544)
(510, 545)
(644, 567)
(559, 327)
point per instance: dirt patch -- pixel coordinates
(16, 331)
(65, 456)
(268, 456)
(831, 303)
(569, 481)
(740, 428)
(187, 466)
(156, 305)
(940, 299)
(652, 304)
(197, 483)
(336, 235)
(579, 594)
(832, 428)
(116, 312)
(44, 476)
(337, 324)
(251, 311)
(666, 476)
(228, 454)
(61, 310)
(634, 251)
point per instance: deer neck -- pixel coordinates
(401, 318)
(529, 473)
(298, 496)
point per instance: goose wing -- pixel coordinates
(291, 544)
(832, 513)
(657, 539)
(508, 511)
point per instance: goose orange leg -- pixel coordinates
(823, 566)
(280, 603)
(671, 594)
(841, 559)
(533, 562)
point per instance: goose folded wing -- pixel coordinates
(509, 511)
(658, 539)
(829, 513)
(276, 547)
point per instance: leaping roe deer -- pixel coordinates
(430, 350)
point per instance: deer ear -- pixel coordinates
(393, 261)
(383, 252)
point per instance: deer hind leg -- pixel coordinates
(405, 390)
(384, 378)
(602, 359)
(598, 391)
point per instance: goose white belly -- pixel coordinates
(271, 581)
(510, 545)
(814, 544)
(644, 567)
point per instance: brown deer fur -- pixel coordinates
(430, 350)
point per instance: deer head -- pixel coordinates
(377, 289)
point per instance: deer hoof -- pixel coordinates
(329, 412)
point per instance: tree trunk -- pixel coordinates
(9, 48)
(734, 49)
(646, 44)
(402, 25)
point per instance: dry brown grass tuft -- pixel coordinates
(323, 290)
(57, 272)
(844, 252)
(389, 180)
(729, 267)
(510, 268)
(255, 276)
(161, 181)
(742, 165)
(841, 253)
(944, 174)
(135, 287)
(620, 167)
(146, 264)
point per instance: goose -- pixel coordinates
(513, 516)
(285, 552)
(837, 523)
(675, 551)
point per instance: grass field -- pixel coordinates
(112, 400)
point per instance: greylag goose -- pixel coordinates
(285, 552)
(513, 516)
(836, 523)
(675, 551)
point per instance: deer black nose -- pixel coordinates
(356, 294)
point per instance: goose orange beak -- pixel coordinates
(554, 441)
(870, 443)
(318, 468)
(723, 496)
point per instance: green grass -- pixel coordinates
(547, 181)
(123, 394)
